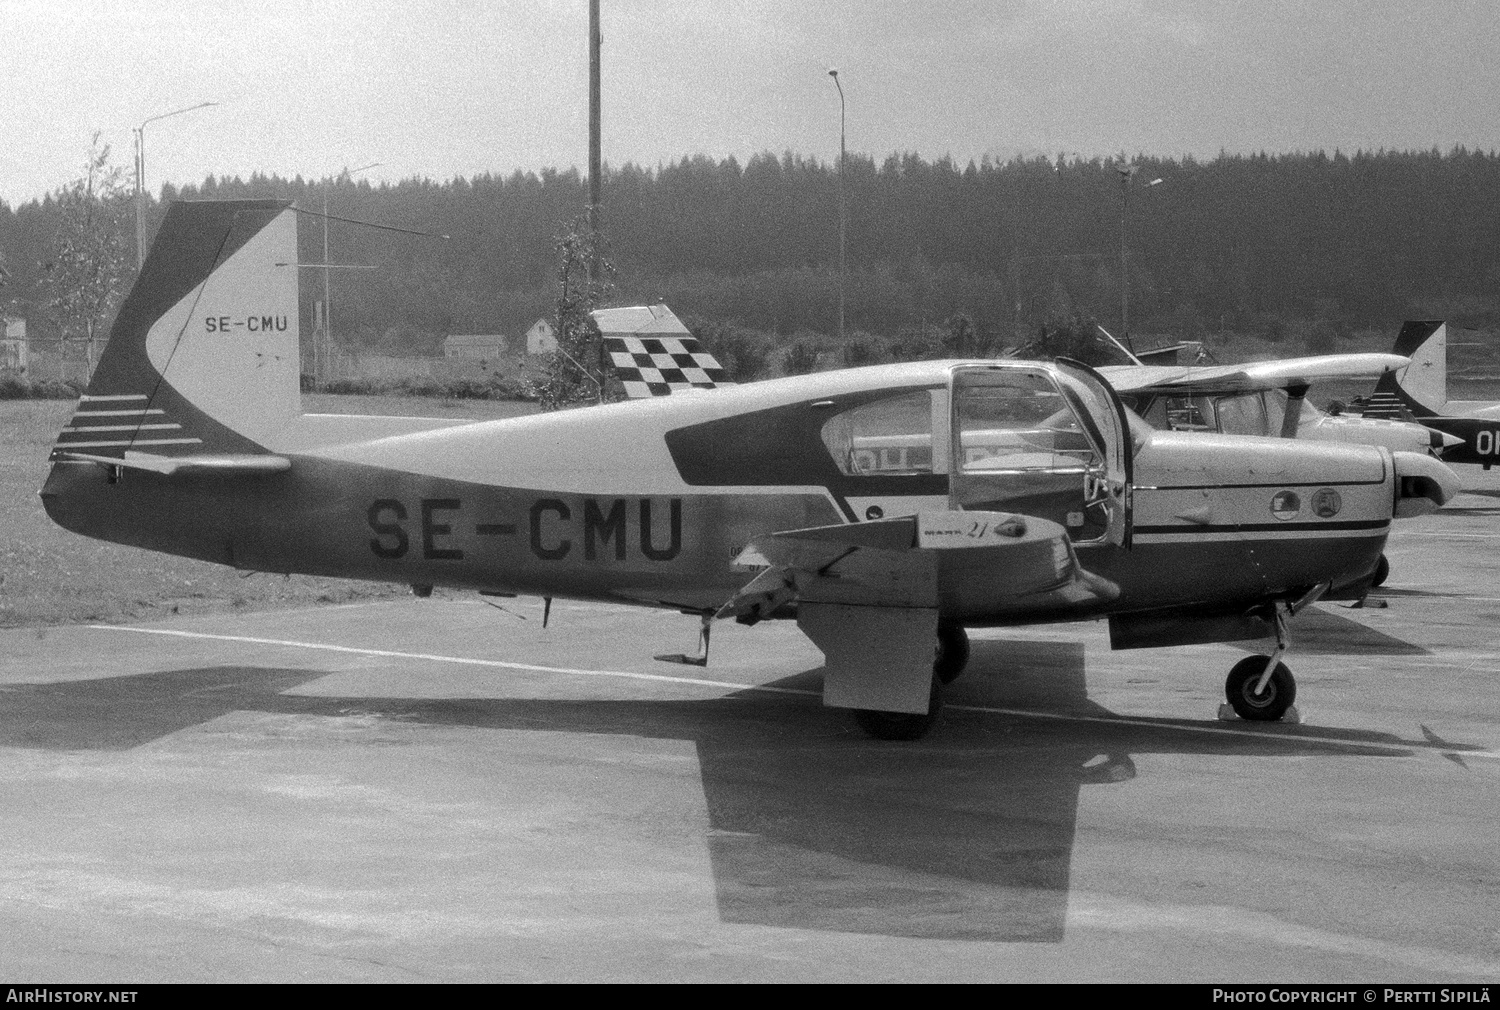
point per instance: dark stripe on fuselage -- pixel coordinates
(1278, 527)
(1267, 485)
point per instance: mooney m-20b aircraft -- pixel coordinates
(1420, 391)
(884, 508)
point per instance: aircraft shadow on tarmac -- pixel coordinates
(1320, 631)
(967, 834)
(1474, 510)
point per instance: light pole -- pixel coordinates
(843, 208)
(1127, 172)
(327, 356)
(140, 178)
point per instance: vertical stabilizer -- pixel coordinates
(1421, 388)
(204, 353)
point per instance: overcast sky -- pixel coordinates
(440, 89)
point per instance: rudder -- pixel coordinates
(1421, 388)
(204, 354)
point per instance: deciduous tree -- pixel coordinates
(575, 374)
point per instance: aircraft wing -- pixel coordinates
(869, 594)
(1252, 375)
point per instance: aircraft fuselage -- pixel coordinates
(1217, 521)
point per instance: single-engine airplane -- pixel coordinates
(883, 508)
(1420, 392)
(1268, 398)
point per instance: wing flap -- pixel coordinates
(869, 594)
(874, 657)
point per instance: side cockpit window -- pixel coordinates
(1018, 420)
(889, 438)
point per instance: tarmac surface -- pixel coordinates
(441, 791)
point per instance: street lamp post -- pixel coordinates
(1127, 172)
(140, 178)
(843, 207)
(326, 357)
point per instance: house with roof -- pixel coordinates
(478, 347)
(541, 338)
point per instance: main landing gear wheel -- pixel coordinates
(952, 652)
(902, 725)
(1269, 705)
(1382, 571)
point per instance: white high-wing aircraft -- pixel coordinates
(1268, 398)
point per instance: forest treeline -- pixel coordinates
(1270, 245)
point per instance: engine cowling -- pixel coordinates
(1423, 484)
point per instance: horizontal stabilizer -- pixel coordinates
(224, 465)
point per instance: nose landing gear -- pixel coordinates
(1261, 688)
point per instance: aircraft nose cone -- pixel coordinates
(1441, 440)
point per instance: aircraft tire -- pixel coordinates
(952, 652)
(1280, 693)
(902, 725)
(1382, 571)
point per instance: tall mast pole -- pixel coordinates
(843, 206)
(595, 169)
(1124, 259)
(140, 178)
(140, 197)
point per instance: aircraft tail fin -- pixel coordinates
(653, 354)
(204, 354)
(1421, 388)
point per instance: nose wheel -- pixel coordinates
(1261, 688)
(1257, 697)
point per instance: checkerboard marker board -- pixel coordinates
(659, 366)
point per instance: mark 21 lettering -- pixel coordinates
(597, 529)
(254, 324)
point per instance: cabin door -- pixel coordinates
(1041, 440)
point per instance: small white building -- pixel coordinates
(540, 339)
(13, 345)
(474, 346)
